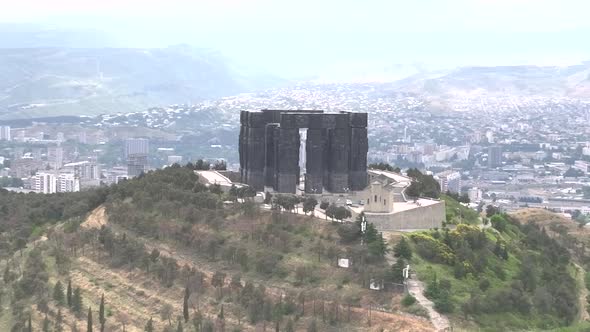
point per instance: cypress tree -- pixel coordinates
(402, 249)
(185, 304)
(221, 318)
(59, 321)
(77, 301)
(149, 327)
(290, 327)
(46, 324)
(89, 328)
(69, 293)
(30, 327)
(58, 293)
(101, 316)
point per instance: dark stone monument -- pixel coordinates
(336, 150)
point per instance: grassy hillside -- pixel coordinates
(457, 213)
(513, 276)
(163, 248)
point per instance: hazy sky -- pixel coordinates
(446, 32)
(337, 15)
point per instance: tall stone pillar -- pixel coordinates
(243, 144)
(326, 135)
(270, 170)
(359, 147)
(255, 150)
(338, 181)
(314, 165)
(288, 160)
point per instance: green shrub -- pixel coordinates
(408, 300)
(484, 285)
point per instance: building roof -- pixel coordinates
(79, 163)
(391, 175)
(214, 177)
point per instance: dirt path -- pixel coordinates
(416, 288)
(580, 276)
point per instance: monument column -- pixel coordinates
(255, 150)
(288, 154)
(338, 181)
(314, 149)
(243, 145)
(359, 146)
(269, 154)
(288, 160)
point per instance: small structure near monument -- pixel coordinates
(386, 206)
(376, 284)
(344, 262)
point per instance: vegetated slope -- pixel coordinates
(38, 82)
(576, 238)
(514, 276)
(456, 213)
(163, 248)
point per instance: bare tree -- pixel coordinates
(166, 313)
(123, 319)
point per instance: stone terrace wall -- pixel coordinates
(424, 217)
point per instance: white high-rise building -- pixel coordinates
(55, 156)
(50, 183)
(475, 194)
(68, 182)
(449, 181)
(84, 170)
(5, 133)
(45, 183)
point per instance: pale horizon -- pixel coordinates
(302, 35)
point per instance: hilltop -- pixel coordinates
(165, 248)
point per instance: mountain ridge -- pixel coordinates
(90, 81)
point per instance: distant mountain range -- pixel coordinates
(71, 81)
(56, 72)
(548, 81)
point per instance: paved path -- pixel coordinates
(318, 213)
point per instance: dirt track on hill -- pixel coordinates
(96, 219)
